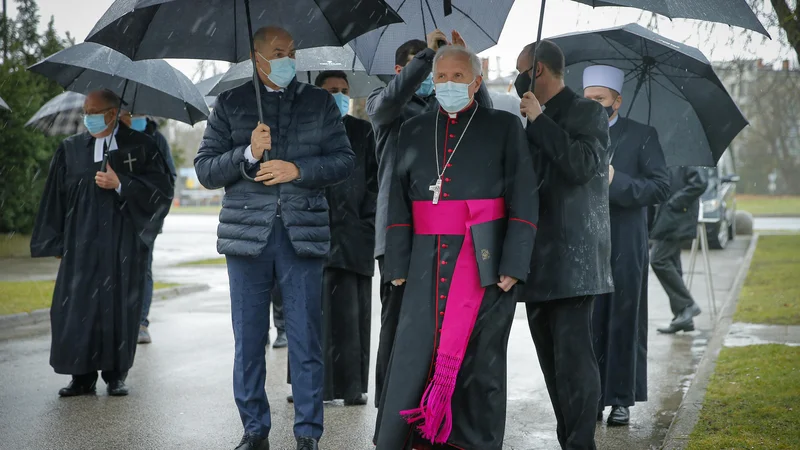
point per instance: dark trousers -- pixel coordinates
(147, 297)
(666, 262)
(87, 379)
(391, 298)
(300, 281)
(562, 333)
(277, 310)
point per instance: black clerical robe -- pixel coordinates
(103, 238)
(491, 165)
(620, 318)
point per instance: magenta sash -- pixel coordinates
(451, 217)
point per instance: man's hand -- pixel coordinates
(276, 171)
(610, 173)
(433, 39)
(506, 283)
(529, 106)
(398, 282)
(107, 180)
(458, 40)
(260, 140)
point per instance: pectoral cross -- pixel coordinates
(437, 190)
(130, 161)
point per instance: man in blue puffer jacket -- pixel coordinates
(275, 230)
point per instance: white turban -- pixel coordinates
(604, 76)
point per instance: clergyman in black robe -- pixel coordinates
(347, 279)
(458, 237)
(102, 226)
(639, 178)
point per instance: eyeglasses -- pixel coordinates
(102, 111)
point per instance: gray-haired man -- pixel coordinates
(462, 214)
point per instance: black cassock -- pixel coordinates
(103, 239)
(491, 162)
(620, 318)
(347, 280)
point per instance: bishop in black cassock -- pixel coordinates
(638, 179)
(102, 225)
(462, 222)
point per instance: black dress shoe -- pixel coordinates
(307, 443)
(290, 398)
(253, 442)
(117, 388)
(358, 401)
(620, 416)
(281, 341)
(74, 389)
(675, 327)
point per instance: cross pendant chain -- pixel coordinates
(129, 162)
(437, 190)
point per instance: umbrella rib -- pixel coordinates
(422, 14)
(383, 31)
(430, 11)
(476, 23)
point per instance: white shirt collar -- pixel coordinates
(269, 89)
(613, 121)
(98, 144)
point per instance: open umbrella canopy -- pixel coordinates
(205, 86)
(148, 87)
(4, 105)
(218, 29)
(61, 116)
(668, 85)
(730, 12)
(479, 22)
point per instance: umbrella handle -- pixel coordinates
(256, 82)
(538, 39)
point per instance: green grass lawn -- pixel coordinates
(15, 245)
(753, 400)
(27, 296)
(771, 292)
(211, 210)
(205, 262)
(766, 205)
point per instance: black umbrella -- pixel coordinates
(223, 29)
(730, 12)
(310, 63)
(479, 22)
(61, 116)
(668, 85)
(149, 87)
(205, 86)
(4, 105)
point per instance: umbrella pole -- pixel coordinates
(256, 83)
(104, 164)
(538, 39)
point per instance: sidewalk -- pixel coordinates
(181, 384)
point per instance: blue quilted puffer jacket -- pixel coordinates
(307, 130)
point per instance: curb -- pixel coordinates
(8, 323)
(688, 413)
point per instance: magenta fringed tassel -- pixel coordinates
(434, 417)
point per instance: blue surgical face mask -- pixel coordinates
(283, 70)
(343, 102)
(95, 123)
(139, 123)
(453, 97)
(426, 88)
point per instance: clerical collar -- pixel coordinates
(469, 107)
(99, 144)
(613, 121)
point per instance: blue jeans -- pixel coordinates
(300, 281)
(147, 297)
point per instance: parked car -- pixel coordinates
(719, 203)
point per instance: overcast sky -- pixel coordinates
(562, 16)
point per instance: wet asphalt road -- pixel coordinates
(181, 394)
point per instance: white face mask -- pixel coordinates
(283, 70)
(452, 96)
